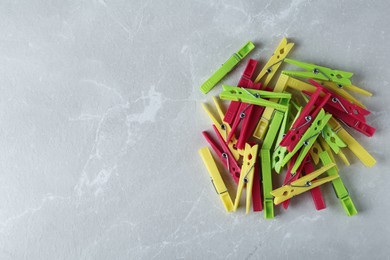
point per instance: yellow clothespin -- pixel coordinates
(274, 62)
(364, 156)
(223, 127)
(216, 178)
(246, 176)
(303, 184)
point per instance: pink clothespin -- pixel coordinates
(308, 114)
(245, 82)
(291, 176)
(224, 154)
(351, 114)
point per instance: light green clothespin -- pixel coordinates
(226, 67)
(341, 192)
(333, 140)
(265, 155)
(255, 97)
(339, 77)
(307, 139)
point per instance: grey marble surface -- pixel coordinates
(101, 120)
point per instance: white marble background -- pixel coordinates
(101, 122)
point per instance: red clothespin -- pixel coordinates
(351, 114)
(318, 199)
(224, 154)
(308, 114)
(257, 199)
(291, 176)
(245, 82)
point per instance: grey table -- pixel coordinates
(101, 119)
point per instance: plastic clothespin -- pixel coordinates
(266, 169)
(291, 176)
(338, 185)
(216, 178)
(255, 97)
(275, 61)
(305, 119)
(256, 190)
(246, 176)
(351, 114)
(245, 82)
(226, 67)
(308, 138)
(302, 184)
(364, 156)
(224, 154)
(341, 78)
(223, 127)
(333, 140)
(280, 151)
(316, 193)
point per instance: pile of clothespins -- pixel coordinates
(298, 126)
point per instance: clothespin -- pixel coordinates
(339, 77)
(245, 82)
(364, 156)
(291, 176)
(274, 62)
(302, 184)
(281, 151)
(305, 119)
(265, 156)
(224, 154)
(316, 193)
(308, 139)
(255, 97)
(246, 176)
(226, 67)
(222, 127)
(350, 114)
(265, 119)
(256, 190)
(289, 82)
(216, 178)
(338, 185)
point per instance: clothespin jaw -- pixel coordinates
(223, 128)
(302, 184)
(308, 139)
(216, 178)
(318, 72)
(255, 97)
(275, 61)
(333, 140)
(246, 176)
(226, 67)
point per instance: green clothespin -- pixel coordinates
(307, 140)
(338, 185)
(265, 155)
(226, 67)
(317, 72)
(333, 140)
(255, 97)
(281, 151)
